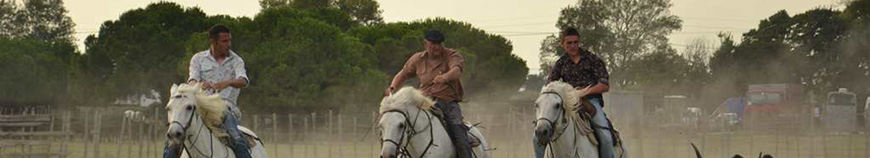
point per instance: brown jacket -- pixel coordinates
(426, 66)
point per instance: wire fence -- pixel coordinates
(507, 126)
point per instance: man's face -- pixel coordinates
(433, 47)
(223, 43)
(571, 44)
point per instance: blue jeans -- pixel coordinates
(457, 131)
(237, 142)
(605, 139)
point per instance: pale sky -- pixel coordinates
(524, 22)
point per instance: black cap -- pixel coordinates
(434, 36)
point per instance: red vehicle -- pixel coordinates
(774, 106)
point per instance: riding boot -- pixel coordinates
(237, 142)
(171, 151)
(459, 136)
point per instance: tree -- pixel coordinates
(365, 12)
(35, 52)
(33, 74)
(619, 31)
(489, 62)
(39, 19)
(137, 53)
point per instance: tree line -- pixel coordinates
(300, 54)
(822, 49)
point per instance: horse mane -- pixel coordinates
(566, 91)
(405, 98)
(210, 107)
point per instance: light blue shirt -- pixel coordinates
(205, 68)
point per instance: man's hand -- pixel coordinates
(389, 91)
(205, 85)
(439, 79)
(220, 85)
(582, 92)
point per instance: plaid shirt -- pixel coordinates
(590, 71)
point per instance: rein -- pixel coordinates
(198, 134)
(556, 134)
(411, 131)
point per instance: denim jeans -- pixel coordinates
(457, 131)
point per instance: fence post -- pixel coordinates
(86, 138)
(314, 133)
(121, 137)
(353, 135)
(275, 133)
(290, 133)
(97, 137)
(66, 125)
(329, 140)
(340, 135)
(304, 133)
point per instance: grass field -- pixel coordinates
(714, 145)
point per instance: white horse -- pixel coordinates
(567, 134)
(409, 129)
(135, 116)
(193, 116)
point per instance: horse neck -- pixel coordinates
(204, 140)
(419, 141)
(571, 142)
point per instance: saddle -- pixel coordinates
(585, 111)
(249, 136)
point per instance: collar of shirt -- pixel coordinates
(583, 56)
(229, 56)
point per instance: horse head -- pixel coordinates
(397, 120)
(552, 107)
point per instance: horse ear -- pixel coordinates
(174, 87)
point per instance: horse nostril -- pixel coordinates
(541, 130)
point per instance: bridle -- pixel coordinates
(199, 133)
(561, 117)
(410, 131)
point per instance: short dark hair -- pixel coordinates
(737, 156)
(434, 36)
(216, 30)
(570, 31)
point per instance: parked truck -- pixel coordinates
(841, 112)
(775, 107)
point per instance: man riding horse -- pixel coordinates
(439, 69)
(589, 75)
(221, 71)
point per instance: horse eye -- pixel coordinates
(401, 125)
(189, 107)
(559, 105)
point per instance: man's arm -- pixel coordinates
(398, 80)
(237, 83)
(407, 71)
(193, 71)
(603, 84)
(241, 79)
(456, 63)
